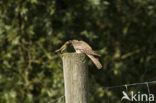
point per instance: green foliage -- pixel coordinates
(31, 30)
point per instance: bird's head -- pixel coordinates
(73, 41)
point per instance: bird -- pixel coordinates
(63, 47)
(83, 47)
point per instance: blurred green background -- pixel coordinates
(122, 31)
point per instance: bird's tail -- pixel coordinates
(95, 61)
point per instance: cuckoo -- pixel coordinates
(83, 47)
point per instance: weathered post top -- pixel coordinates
(75, 77)
(81, 57)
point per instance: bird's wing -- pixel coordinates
(91, 52)
(85, 45)
(86, 48)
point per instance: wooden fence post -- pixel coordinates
(75, 77)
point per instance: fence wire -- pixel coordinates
(117, 86)
(126, 85)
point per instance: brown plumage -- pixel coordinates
(63, 47)
(83, 47)
(95, 61)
